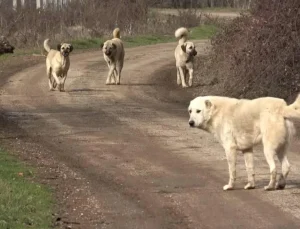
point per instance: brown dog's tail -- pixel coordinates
(293, 111)
(116, 33)
(47, 45)
(182, 34)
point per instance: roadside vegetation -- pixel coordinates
(257, 54)
(23, 203)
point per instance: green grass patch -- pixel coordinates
(23, 203)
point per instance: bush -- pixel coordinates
(258, 54)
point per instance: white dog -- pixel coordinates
(57, 64)
(184, 56)
(113, 52)
(241, 124)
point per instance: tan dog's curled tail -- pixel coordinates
(182, 34)
(47, 45)
(116, 33)
(293, 111)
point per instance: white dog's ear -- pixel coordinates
(183, 47)
(101, 45)
(58, 47)
(114, 45)
(71, 48)
(208, 104)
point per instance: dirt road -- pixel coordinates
(124, 156)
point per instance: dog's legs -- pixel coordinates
(249, 162)
(231, 159)
(191, 72)
(57, 80)
(62, 89)
(49, 74)
(110, 73)
(178, 77)
(285, 166)
(182, 77)
(113, 78)
(269, 154)
(118, 75)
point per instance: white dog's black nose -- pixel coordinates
(192, 123)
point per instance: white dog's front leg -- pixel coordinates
(249, 162)
(182, 77)
(231, 159)
(191, 72)
(113, 78)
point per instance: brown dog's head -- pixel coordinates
(189, 48)
(109, 48)
(65, 49)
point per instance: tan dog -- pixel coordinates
(184, 56)
(113, 52)
(57, 64)
(241, 124)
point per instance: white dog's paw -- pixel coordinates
(190, 83)
(184, 86)
(107, 83)
(227, 187)
(269, 188)
(178, 82)
(249, 186)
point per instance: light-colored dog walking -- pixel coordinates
(114, 53)
(184, 56)
(241, 124)
(57, 64)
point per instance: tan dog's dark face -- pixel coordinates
(65, 49)
(109, 48)
(189, 48)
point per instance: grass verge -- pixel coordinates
(23, 203)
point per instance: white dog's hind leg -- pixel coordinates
(118, 75)
(231, 159)
(182, 77)
(285, 166)
(191, 72)
(113, 78)
(269, 154)
(249, 162)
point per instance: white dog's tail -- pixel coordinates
(47, 45)
(293, 111)
(116, 33)
(182, 33)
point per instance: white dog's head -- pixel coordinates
(189, 48)
(65, 49)
(109, 48)
(200, 110)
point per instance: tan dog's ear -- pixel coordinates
(208, 104)
(101, 45)
(183, 47)
(58, 47)
(114, 45)
(71, 48)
